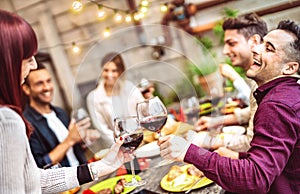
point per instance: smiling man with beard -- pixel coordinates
(55, 139)
(272, 164)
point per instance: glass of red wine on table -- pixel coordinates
(152, 115)
(129, 129)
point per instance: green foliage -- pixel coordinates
(218, 29)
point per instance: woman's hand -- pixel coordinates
(112, 161)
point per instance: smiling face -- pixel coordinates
(27, 65)
(269, 57)
(237, 49)
(40, 88)
(110, 74)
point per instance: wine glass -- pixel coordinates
(129, 129)
(190, 107)
(79, 115)
(152, 114)
(216, 97)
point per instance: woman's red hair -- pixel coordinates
(17, 42)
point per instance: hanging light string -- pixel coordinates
(119, 16)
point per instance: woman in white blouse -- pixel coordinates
(114, 97)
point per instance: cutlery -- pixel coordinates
(191, 187)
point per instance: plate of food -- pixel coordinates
(182, 178)
(114, 185)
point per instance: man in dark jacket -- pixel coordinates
(55, 139)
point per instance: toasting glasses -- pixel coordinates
(129, 129)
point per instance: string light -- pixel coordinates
(118, 17)
(145, 3)
(75, 48)
(106, 32)
(77, 5)
(137, 16)
(144, 9)
(101, 13)
(128, 18)
(164, 8)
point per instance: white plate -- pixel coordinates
(236, 130)
(148, 150)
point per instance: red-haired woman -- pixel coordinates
(19, 172)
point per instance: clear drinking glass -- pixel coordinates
(80, 114)
(152, 114)
(129, 129)
(190, 107)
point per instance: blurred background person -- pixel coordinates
(114, 97)
(19, 172)
(147, 88)
(55, 138)
(240, 34)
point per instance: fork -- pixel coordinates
(191, 187)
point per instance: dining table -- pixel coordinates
(155, 172)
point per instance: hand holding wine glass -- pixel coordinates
(129, 129)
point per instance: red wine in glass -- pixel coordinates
(154, 124)
(132, 141)
(130, 130)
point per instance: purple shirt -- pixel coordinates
(272, 164)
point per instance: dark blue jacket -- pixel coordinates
(43, 140)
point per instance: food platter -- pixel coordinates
(111, 182)
(183, 182)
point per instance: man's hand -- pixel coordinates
(222, 151)
(228, 71)
(173, 147)
(205, 123)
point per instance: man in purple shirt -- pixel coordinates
(272, 164)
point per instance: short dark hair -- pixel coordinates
(40, 66)
(247, 25)
(293, 49)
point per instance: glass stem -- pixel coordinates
(133, 180)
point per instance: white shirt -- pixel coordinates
(61, 133)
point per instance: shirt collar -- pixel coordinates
(261, 91)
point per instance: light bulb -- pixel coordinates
(136, 17)
(75, 48)
(118, 17)
(145, 3)
(77, 5)
(128, 18)
(106, 32)
(101, 14)
(163, 8)
(144, 9)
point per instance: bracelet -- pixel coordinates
(94, 172)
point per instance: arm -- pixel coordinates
(238, 82)
(265, 160)
(13, 153)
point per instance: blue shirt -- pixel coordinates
(272, 164)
